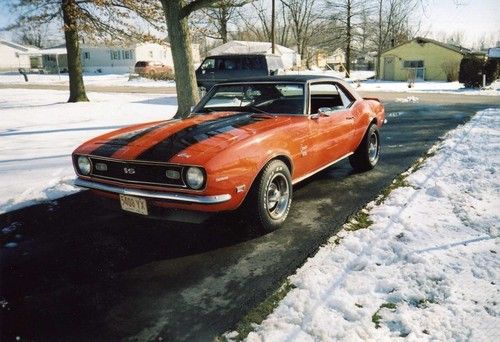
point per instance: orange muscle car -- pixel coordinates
(246, 143)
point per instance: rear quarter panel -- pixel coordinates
(365, 112)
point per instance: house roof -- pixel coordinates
(247, 47)
(51, 51)
(421, 40)
(19, 47)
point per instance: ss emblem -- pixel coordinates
(129, 170)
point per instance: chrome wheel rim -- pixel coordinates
(373, 148)
(277, 196)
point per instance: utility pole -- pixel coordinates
(272, 27)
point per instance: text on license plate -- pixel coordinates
(134, 204)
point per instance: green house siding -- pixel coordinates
(436, 59)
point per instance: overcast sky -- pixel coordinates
(474, 18)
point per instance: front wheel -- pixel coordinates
(367, 154)
(271, 196)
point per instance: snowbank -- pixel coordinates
(427, 268)
(39, 130)
(102, 80)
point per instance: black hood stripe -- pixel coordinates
(179, 141)
(110, 147)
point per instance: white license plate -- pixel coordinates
(134, 204)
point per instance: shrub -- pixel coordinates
(158, 75)
(471, 72)
(492, 70)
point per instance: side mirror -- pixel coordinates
(325, 111)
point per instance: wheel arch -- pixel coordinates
(281, 156)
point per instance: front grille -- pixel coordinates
(136, 172)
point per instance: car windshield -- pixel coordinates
(272, 98)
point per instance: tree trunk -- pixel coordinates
(348, 41)
(76, 85)
(379, 42)
(223, 24)
(180, 44)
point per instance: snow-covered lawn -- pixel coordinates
(361, 81)
(39, 130)
(102, 80)
(428, 266)
(365, 84)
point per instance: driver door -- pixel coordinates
(332, 122)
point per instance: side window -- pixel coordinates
(325, 95)
(258, 63)
(246, 63)
(230, 64)
(346, 98)
(208, 63)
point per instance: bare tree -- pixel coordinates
(32, 35)
(303, 15)
(177, 13)
(347, 15)
(257, 23)
(392, 25)
(215, 20)
(103, 19)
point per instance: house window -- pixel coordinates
(115, 55)
(127, 54)
(86, 55)
(413, 64)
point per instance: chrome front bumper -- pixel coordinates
(154, 194)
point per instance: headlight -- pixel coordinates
(84, 165)
(195, 178)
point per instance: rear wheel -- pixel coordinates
(271, 196)
(367, 154)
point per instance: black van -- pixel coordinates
(215, 69)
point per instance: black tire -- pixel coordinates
(367, 154)
(270, 197)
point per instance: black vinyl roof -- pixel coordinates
(285, 78)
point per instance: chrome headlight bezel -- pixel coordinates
(84, 165)
(195, 177)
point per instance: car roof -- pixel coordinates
(286, 78)
(243, 55)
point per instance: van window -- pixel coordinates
(230, 64)
(252, 63)
(208, 63)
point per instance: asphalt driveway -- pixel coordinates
(83, 272)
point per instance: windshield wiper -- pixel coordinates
(256, 108)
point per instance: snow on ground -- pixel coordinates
(360, 79)
(39, 130)
(102, 80)
(428, 266)
(427, 87)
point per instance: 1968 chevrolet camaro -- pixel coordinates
(244, 145)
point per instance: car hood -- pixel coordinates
(166, 140)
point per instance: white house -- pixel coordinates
(14, 56)
(290, 57)
(337, 59)
(113, 59)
